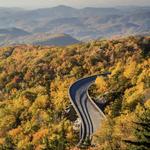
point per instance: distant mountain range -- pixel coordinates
(18, 36)
(13, 32)
(84, 24)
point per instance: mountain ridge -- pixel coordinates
(84, 23)
(39, 39)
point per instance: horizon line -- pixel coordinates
(75, 7)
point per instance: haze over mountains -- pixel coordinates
(26, 26)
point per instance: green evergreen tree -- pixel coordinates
(141, 132)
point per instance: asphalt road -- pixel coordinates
(89, 113)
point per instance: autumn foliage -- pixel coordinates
(34, 82)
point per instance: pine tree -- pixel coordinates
(141, 132)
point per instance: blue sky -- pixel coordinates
(74, 3)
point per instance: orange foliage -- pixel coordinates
(15, 132)
(40, 134)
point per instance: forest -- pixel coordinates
(34, 82)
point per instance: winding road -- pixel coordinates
(89, 113)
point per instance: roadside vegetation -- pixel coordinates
(34, 82)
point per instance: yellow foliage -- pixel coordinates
(101, 84)
(70, 132)
(26, 93)
(144, 75)
(140, 87)
(60, 93)
(7, 122)
(116, 69)
(21, 103)
(103, 136)
(147, 103)
(130, 69)
(139, 109)
(134, 93)
(123, 126)
(41, 102)
(69, 136)
(22, 144)
(44, 115)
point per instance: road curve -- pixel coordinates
(89, 113)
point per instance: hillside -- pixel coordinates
(13, 32)
(34, 82)
(83, 24)
(59, 40)
(37, 39)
